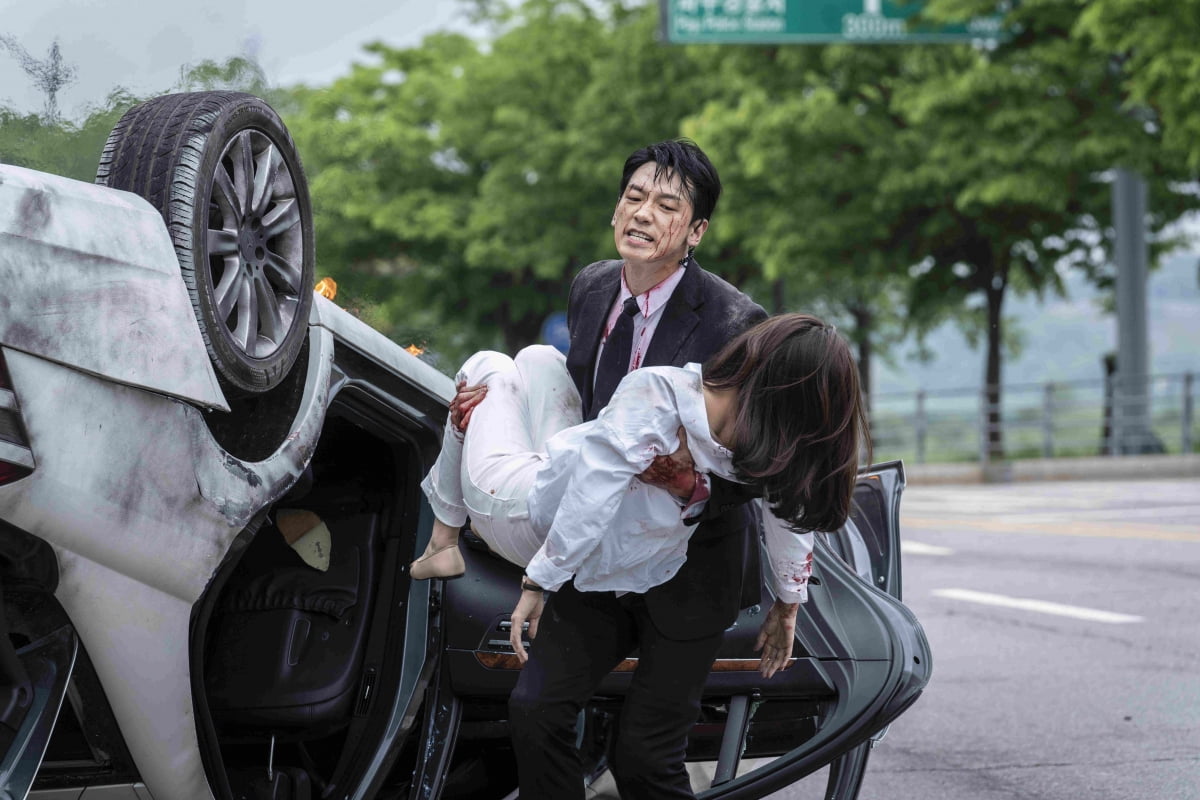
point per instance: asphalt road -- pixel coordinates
(1065, 625)
(1064, 619)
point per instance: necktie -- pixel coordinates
(614, 361)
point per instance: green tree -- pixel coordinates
(1153, 48)
(240, 73)
(948, 174)
(459, 186)
(1010, 184)
(390, 195)
(804, 133)
(71, 147)
(63, 147)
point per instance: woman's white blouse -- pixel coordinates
(611, 531)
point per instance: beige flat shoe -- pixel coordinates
(445, 563)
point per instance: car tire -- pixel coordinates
(223, 171)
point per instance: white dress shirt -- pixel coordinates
(612, 532)
(650, 310)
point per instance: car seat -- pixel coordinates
(286, 641)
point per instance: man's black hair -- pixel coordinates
(683, 158)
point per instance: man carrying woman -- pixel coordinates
(776, 412)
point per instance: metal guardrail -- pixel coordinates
(1037, 420)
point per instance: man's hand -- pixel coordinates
(776, 636)
(675, 472)
(464, 403)
(529, 609)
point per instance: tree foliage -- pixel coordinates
(1152, 44)
(62, 146)
(240, 73)
(890, 188)
(1021, 145)
(946, 175)
(71, 147)
(461, 186)
(805, 136)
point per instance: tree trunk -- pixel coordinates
(864, 322)
(992, 371)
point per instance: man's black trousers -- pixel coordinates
(581, 637)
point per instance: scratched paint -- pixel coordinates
(91, 280)
(137, 500)
(141, 507)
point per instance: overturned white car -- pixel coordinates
(175, 401)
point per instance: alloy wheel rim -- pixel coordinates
(255, 244)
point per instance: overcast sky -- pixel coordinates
(141, 44)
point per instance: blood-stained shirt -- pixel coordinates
(612, 532)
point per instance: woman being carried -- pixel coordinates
(778, 408)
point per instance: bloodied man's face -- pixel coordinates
(652, 224)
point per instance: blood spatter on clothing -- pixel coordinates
(797, 572)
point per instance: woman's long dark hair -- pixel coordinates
(799, 420)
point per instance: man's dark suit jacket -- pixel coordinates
(702, 315)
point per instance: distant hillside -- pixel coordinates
(1065, 339)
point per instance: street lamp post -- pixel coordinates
(1131, 400)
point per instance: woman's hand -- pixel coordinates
(675, 472)
(776, 636)
(464, 402)
(529, 609)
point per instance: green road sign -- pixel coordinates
(811, 21)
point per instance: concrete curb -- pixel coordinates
(1057, 469)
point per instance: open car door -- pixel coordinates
(860, 659)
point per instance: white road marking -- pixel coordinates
(1041, 606)
(922, 549)
(1168, 531)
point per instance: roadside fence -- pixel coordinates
(1056, 419)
